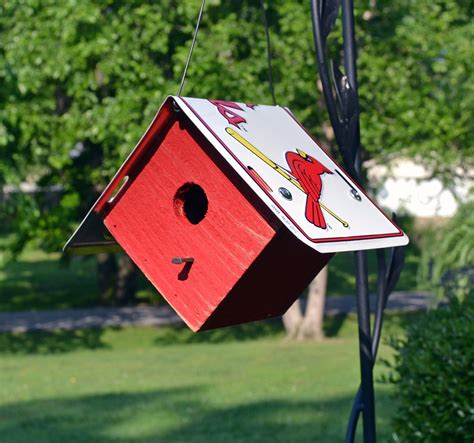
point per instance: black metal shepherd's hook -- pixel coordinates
(342, 101)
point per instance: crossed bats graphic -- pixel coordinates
(306, 177)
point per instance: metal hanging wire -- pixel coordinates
(196, 30)
(269, 53)
(269, 50)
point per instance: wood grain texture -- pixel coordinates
(246, 266)
(224, 244)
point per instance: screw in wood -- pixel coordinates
(181, 260)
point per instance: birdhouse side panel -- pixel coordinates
(272, 284)
(153, 221)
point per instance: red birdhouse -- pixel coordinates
(230, 210)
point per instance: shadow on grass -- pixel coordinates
(393, 324)
(244, 332)
(41, 282)
(54, 342)
(60, 341)
(332, 325)
(47, 283)
(178, 415)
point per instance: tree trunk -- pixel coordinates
(117, 278)
(292, 320)
(127, 277)
(106, 273)
(312, 325)
(309, 325)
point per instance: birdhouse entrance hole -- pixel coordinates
(190, 201)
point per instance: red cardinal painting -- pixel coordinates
(307, 170)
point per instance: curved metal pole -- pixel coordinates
(323, 70)
(382, 295)
(343, 107)
(350, 57)
(365, 347)
(386, 280)
(366, 342)
(365, 398)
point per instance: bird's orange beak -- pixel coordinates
(301, 153)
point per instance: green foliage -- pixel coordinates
(81, 80)
(448, 250)
(433, 372)
(416, 95)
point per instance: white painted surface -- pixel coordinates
(274, 132)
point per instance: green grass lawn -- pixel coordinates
(41, 281)
(243, 384)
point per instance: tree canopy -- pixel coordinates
(81, 80)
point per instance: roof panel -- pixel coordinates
(294, 176)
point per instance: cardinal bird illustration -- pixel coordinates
(307, 170)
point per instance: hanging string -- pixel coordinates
(269, 53)
(269, 50)
(198, 24)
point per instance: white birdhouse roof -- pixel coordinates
(290, 172)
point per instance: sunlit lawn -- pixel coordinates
(243, 384)
(233, 385)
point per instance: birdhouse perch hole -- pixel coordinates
(119, 188)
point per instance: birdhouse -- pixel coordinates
(230, 210)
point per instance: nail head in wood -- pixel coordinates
(181, 260)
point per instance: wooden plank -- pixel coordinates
(224, 244)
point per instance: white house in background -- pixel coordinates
(406, 185)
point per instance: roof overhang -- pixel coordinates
(286, 168)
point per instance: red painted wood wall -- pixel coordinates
(246, 267)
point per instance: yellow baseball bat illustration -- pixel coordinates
(244, 142)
